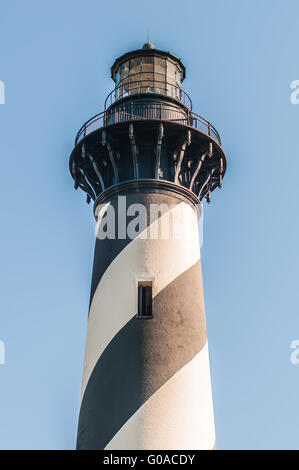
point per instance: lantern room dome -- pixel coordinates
(148, 45)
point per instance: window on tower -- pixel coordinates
(145, 297)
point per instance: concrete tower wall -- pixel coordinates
(146, 381)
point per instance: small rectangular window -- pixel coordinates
(145, 299)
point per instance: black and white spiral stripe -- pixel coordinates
(146, 383)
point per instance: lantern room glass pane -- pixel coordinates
(135, 69)
(135, 65)
(160, 75)
(171, 70)
(134, 83)
(178, 78)
(117, 78)
(147, 75)
(124, 70)
(160, 68)
(147, 64)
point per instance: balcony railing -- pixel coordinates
(148, 86)
(147, 111)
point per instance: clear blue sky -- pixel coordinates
(241, 57)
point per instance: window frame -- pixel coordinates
(144, 287)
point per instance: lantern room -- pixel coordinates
(148, 71)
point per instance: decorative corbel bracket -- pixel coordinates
(94, 166)
(134, 151)
(199, 164)
(158, 151)
(181, 151)
(87, 186)
(105, 141)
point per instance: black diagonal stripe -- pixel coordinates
(141, 358)
(107, 250)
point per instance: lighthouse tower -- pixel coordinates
(147, 161)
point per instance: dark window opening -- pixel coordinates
(145, 299)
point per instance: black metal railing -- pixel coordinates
(148, 86)
(144, 110)
(147, 111)
(93, 124)
(202, 124)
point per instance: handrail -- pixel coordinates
(147, 111)
(87, 124)
(153, 87)
(211, 129)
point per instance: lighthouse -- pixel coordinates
(147, 162)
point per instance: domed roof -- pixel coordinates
(148, 45)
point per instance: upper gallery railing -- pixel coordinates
(147, 111)
(148, 86)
